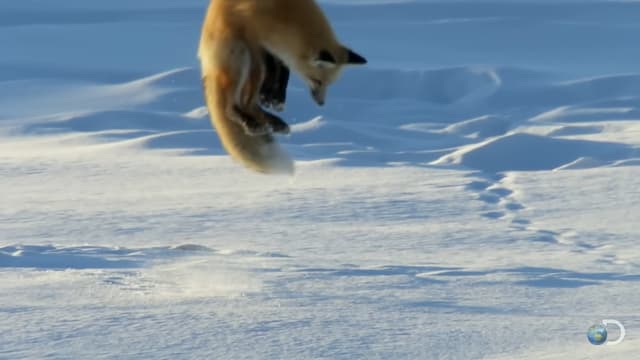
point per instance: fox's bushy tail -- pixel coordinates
(261, 153)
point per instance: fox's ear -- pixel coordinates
(324, 59)
(326, 56)
(354, 58)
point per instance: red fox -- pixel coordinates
(238, 37)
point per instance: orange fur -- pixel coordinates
(234, 34)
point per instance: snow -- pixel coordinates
(472, 193)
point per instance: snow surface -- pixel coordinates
(472, 193)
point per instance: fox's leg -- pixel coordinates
(280, 89)
(277, 124)
(233, 71)
(274, 86)
(273, 91)
(269, 81)
(251, 93)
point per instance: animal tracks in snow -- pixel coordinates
(501, 203)
(499, 199)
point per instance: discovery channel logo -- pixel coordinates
(597, 334)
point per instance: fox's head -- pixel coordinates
(323, 67)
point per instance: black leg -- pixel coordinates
(269, 75)
(280, 92)
(277, 124)
(273, 91)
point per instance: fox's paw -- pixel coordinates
(257, 130)
(269, 102)
(277, 125)
(249, 123)
(280, 127)
(253, 128)
(265, 101)
(277, 105)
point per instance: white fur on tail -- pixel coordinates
(261, 153)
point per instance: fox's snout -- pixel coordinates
(318, 94)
